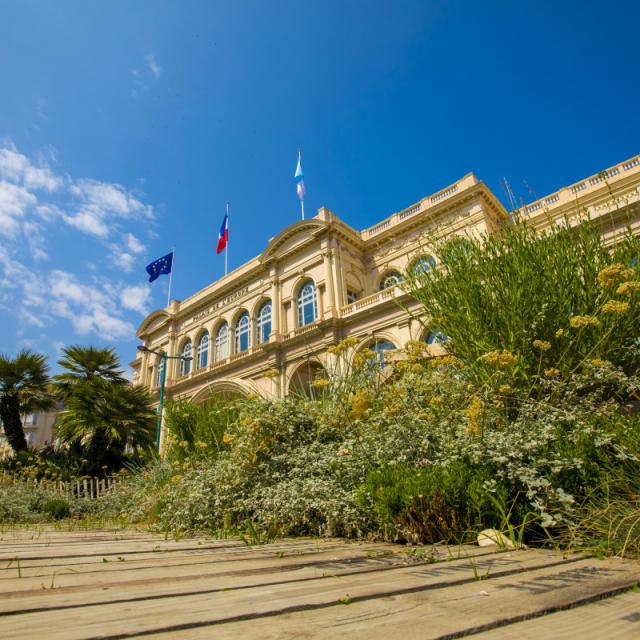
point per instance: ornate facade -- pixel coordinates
(266, 327)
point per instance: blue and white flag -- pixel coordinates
(159, 267)
(299, 177)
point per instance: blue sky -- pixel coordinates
(125, 127)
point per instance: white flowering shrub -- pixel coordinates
(530, 419)
(424, 457)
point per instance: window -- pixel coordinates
(185, 359)
(379, 347)
(264, 322)
(435, 336)
(390, 279)
(222, 343)
(307, 304)
(423, 264)
(31, 419)
(242, 333)
(159, 373)
(352, 296)
(203, 351)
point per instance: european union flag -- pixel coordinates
(159, 267)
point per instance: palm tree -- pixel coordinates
(104, 419)
(104, 415)
(87, 363)
(24, 387)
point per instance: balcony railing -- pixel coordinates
(569, 193)
(306, 329)
(377, 297)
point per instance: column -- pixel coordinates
(339, 276)
(328, 274)
(276, 328)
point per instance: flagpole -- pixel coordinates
(173, 262)
(226, 246)
(301, 199)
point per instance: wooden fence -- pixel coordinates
(81, 488)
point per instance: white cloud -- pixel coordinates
(134, 244)
(49, 211)
(35, 208)
(17, 168)
(89, 222)
(109, 198)
(15, 202)
(153, 66)
(35, 240)
(122, 259)
(142, 76)
(136, 298)
(90, 308)
(101, 203)
(16, 275)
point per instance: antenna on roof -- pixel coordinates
(512, 200)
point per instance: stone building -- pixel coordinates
(265, 328)
(39, 429)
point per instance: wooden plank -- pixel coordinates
(71, 589)
(241, 558)
(617, 617)
(293, 589)
(454, 612)
(201, 554)
(230, 604)
(77, 555)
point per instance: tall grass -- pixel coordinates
(504, 291)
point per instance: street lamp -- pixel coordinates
(163, 373)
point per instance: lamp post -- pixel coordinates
(163, 374)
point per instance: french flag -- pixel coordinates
(223, 234)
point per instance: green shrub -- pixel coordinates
(430, 504)
(527, 292)
(56, 509)
(198, 429)
(23, 502)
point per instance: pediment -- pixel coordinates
(152, 321)
(291, 238)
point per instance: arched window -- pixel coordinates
(242, 333)
(159, 368)
(203, 352)
(379, 347)
(263, 322)
(423, 264)
(185, 360)
(307, 304)
(435, 336)
(302, 380)
(222, 343)
(390, 279)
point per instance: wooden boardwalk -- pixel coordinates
(129, 584)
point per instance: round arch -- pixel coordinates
(298, 283)
(422, 263)
(386, 278)
(150, 319)
(378, 336)
(236, 314)
(257, 305)
(308, 310)
(301, 378)
(227, 389)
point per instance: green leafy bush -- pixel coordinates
(545, 299)
(56, 509)
(432, 503)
